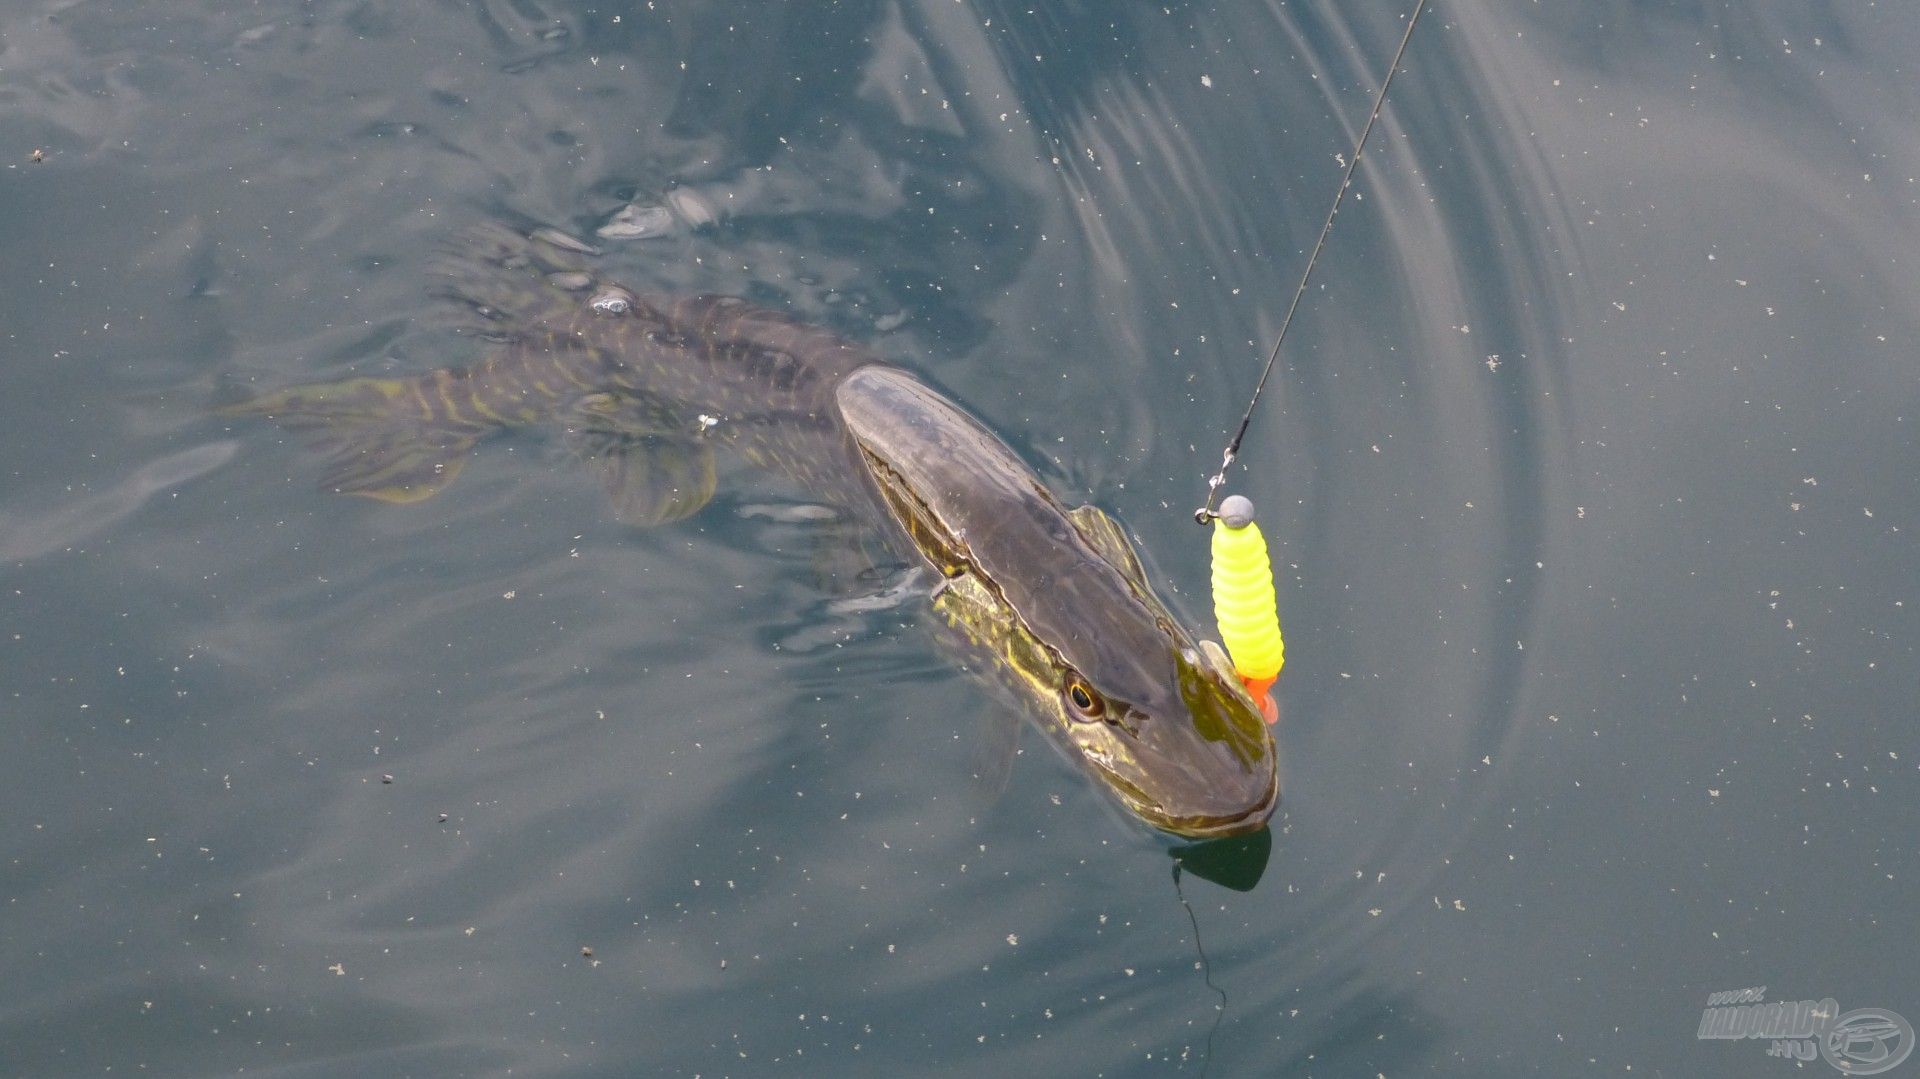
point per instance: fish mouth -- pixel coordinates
(1194, 826)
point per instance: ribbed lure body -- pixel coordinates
(1243, 600)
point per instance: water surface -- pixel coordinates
(1590, 471)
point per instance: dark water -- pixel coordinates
(1591, 470)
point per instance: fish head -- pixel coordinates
(1157, 717)
(1053, 603)
(1179, 742)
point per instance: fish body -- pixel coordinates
(1051, 602)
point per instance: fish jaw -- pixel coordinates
(1248, 818)
(1194, 758)
(1201, 765)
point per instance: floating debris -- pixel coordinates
(635, 222)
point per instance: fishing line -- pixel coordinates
(1206, 972)
(1205, 513)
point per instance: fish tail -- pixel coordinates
(383, 437)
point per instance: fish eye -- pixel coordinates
(1083, 700)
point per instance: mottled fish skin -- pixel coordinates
(566, 333)
(705, 369)
(1050, 602)
(762, 381)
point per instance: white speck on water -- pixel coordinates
(1206, 81)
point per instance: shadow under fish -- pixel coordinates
(1049, 602)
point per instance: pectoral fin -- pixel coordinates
(656, 472)
(656, 482)
(398, 466)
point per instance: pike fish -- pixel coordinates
(1049, 602)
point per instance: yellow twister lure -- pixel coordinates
(1243, 602)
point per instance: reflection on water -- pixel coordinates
(1588, 469)
(1236, 862)
(28, 534)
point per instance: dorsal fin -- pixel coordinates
(1107, 537)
